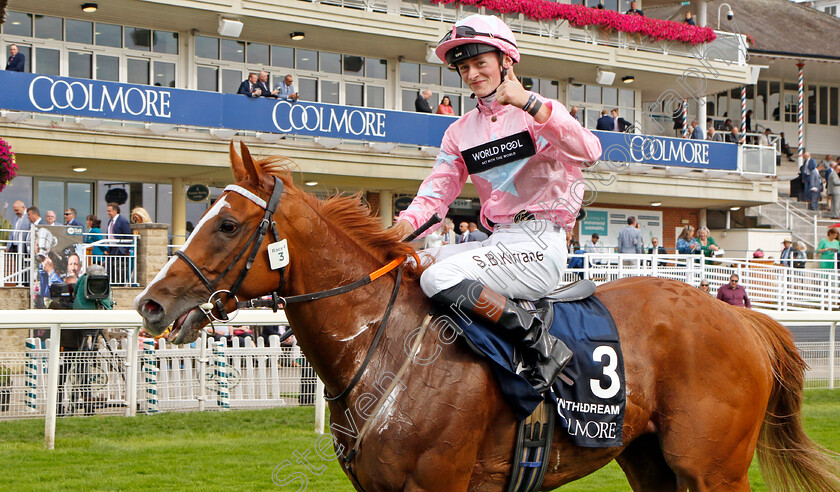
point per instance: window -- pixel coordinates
(811, 104)
(47, 27)
(257, 53)
(164, 74)
(138, 71)
(376, 68)
(430, 74)
(208, 79)
(232, 50)
(375, 97)
(231, 79)
(108, 35)
(47, 61)
(108, 68)
(18, 24)
(831, 10)
(306, 60)
(79, 31)
(330, 62)
(791, 91)
(773, 101)
(207, 47)
(282, 56)
(165, 42)
(823, 103)
(354, 94)
(138, 39)
(80, 64)
(354, 65)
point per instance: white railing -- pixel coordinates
(768, 285)
(16, 266)
(804, 225)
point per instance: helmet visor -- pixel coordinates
(468, 50)
(469, 32)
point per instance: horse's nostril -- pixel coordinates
(151, 308)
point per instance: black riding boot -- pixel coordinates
(544, 356)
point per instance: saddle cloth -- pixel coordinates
(590, 402)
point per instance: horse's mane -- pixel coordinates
(349, 214)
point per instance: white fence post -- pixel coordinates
(131, 351)
(831, 348)
(221, 376)
(150, 373)
(52, 386)
(320, 406)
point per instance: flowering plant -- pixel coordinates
(579, 16)
(8, 167)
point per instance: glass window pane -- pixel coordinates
(811, 103)
(79, 196)
(208, 79)
(47, 27)
(833, 107)
(149, 200)
(51, 197)
(108, 35)
(408, 97)
(626, 98)
(164, 203)
(330, 62)
(138, 71)
(530, 84)
(354, 65)
(206, 47)
(592, 118)
(79, 31)
(80, 65)
(773, 101)
(164, 74)
(165, 42)
(576, 93)
(761, 100)
(353, 94)
(18, 23)
(375, 97)
(610, 95)
(282, 56)
(233, 50)
(308, 89)
(455, 101)
(46, 62)
(593, 94)
(257, 53)
(376, 68)
(329, 92)
(450, 78)
(430, 74)
(409, 72)
(108, 68)
(306, 60)
(231, 79)
(549, 88)
(19, 189)
(27, 53)
(137, 38)
(823, 105)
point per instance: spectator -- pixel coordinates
(705, 287)
(605, 122)
(727, 125)
(250, 87)
(630, 238)
(140, 216)
(70, 217)
(286, 89)
(748, 117)
(678, 118)
(707, 243)
(591, 246)
(619, 124)
(463, 237)
(17, 61)
(634, 9)
(689, 19)
(656, 248)
(814, 187)
(733, 136)
(574, 111)
(799, 255)
(784, 146)
(264, 85)
(449, 236)
(576, 257)
(733, 293)
(767, 138)
(94, 234)
(49, 217)
(713, 135)
(445, 107)
(833, 190)
(34, 215)
(828, 248)
(786, 256)
(19, 239)
(117, 228)
(434, 239)
(696, 131)
(686, 243)
(421, 104)
(758, 254)
(475, 234)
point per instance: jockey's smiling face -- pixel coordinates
(482, 73)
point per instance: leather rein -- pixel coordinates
(278, 302)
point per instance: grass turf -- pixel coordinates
(236, 450)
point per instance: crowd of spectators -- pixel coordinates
(257, 85)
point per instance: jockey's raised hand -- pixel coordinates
(511, 92)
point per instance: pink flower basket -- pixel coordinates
(8, 167)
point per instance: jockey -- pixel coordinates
(524, 154)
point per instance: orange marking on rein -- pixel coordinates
(387, 268)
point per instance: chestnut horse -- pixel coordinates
(707, 384)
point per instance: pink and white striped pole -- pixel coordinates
(800, 112)
(743, 114)
(685, 118)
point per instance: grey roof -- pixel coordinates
(777, 26)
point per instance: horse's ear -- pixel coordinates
(239, 172)
(253, 170)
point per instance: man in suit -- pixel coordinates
(465, 232)
(117, 226)
(786, 258)
(785, 148)
(17, 61)
(449, 235)
(421, 104)
(70, 217)
(19, 237)
(264, 85)
(475, 234)
(630, 238)
(634, 9)
(605, 122)
(619, 124)
(696, 131)
(250, 87)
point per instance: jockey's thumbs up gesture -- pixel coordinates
(511, 92)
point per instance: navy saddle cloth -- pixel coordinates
(591, 405)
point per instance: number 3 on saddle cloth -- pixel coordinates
(591, 400)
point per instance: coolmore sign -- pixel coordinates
(665, 151)
(109, 100)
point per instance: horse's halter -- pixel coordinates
(255, 241)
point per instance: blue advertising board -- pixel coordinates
(151, 104)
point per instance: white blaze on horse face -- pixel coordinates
(213, 212)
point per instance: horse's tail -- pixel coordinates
(789, 459)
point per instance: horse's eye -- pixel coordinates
(228, 227)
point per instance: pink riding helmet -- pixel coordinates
(475, 35)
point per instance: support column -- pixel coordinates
(702, 17)
(743, 137)
(702, 218)
(386, 207)
(702, 13)
(800, 112)
(179, 211)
